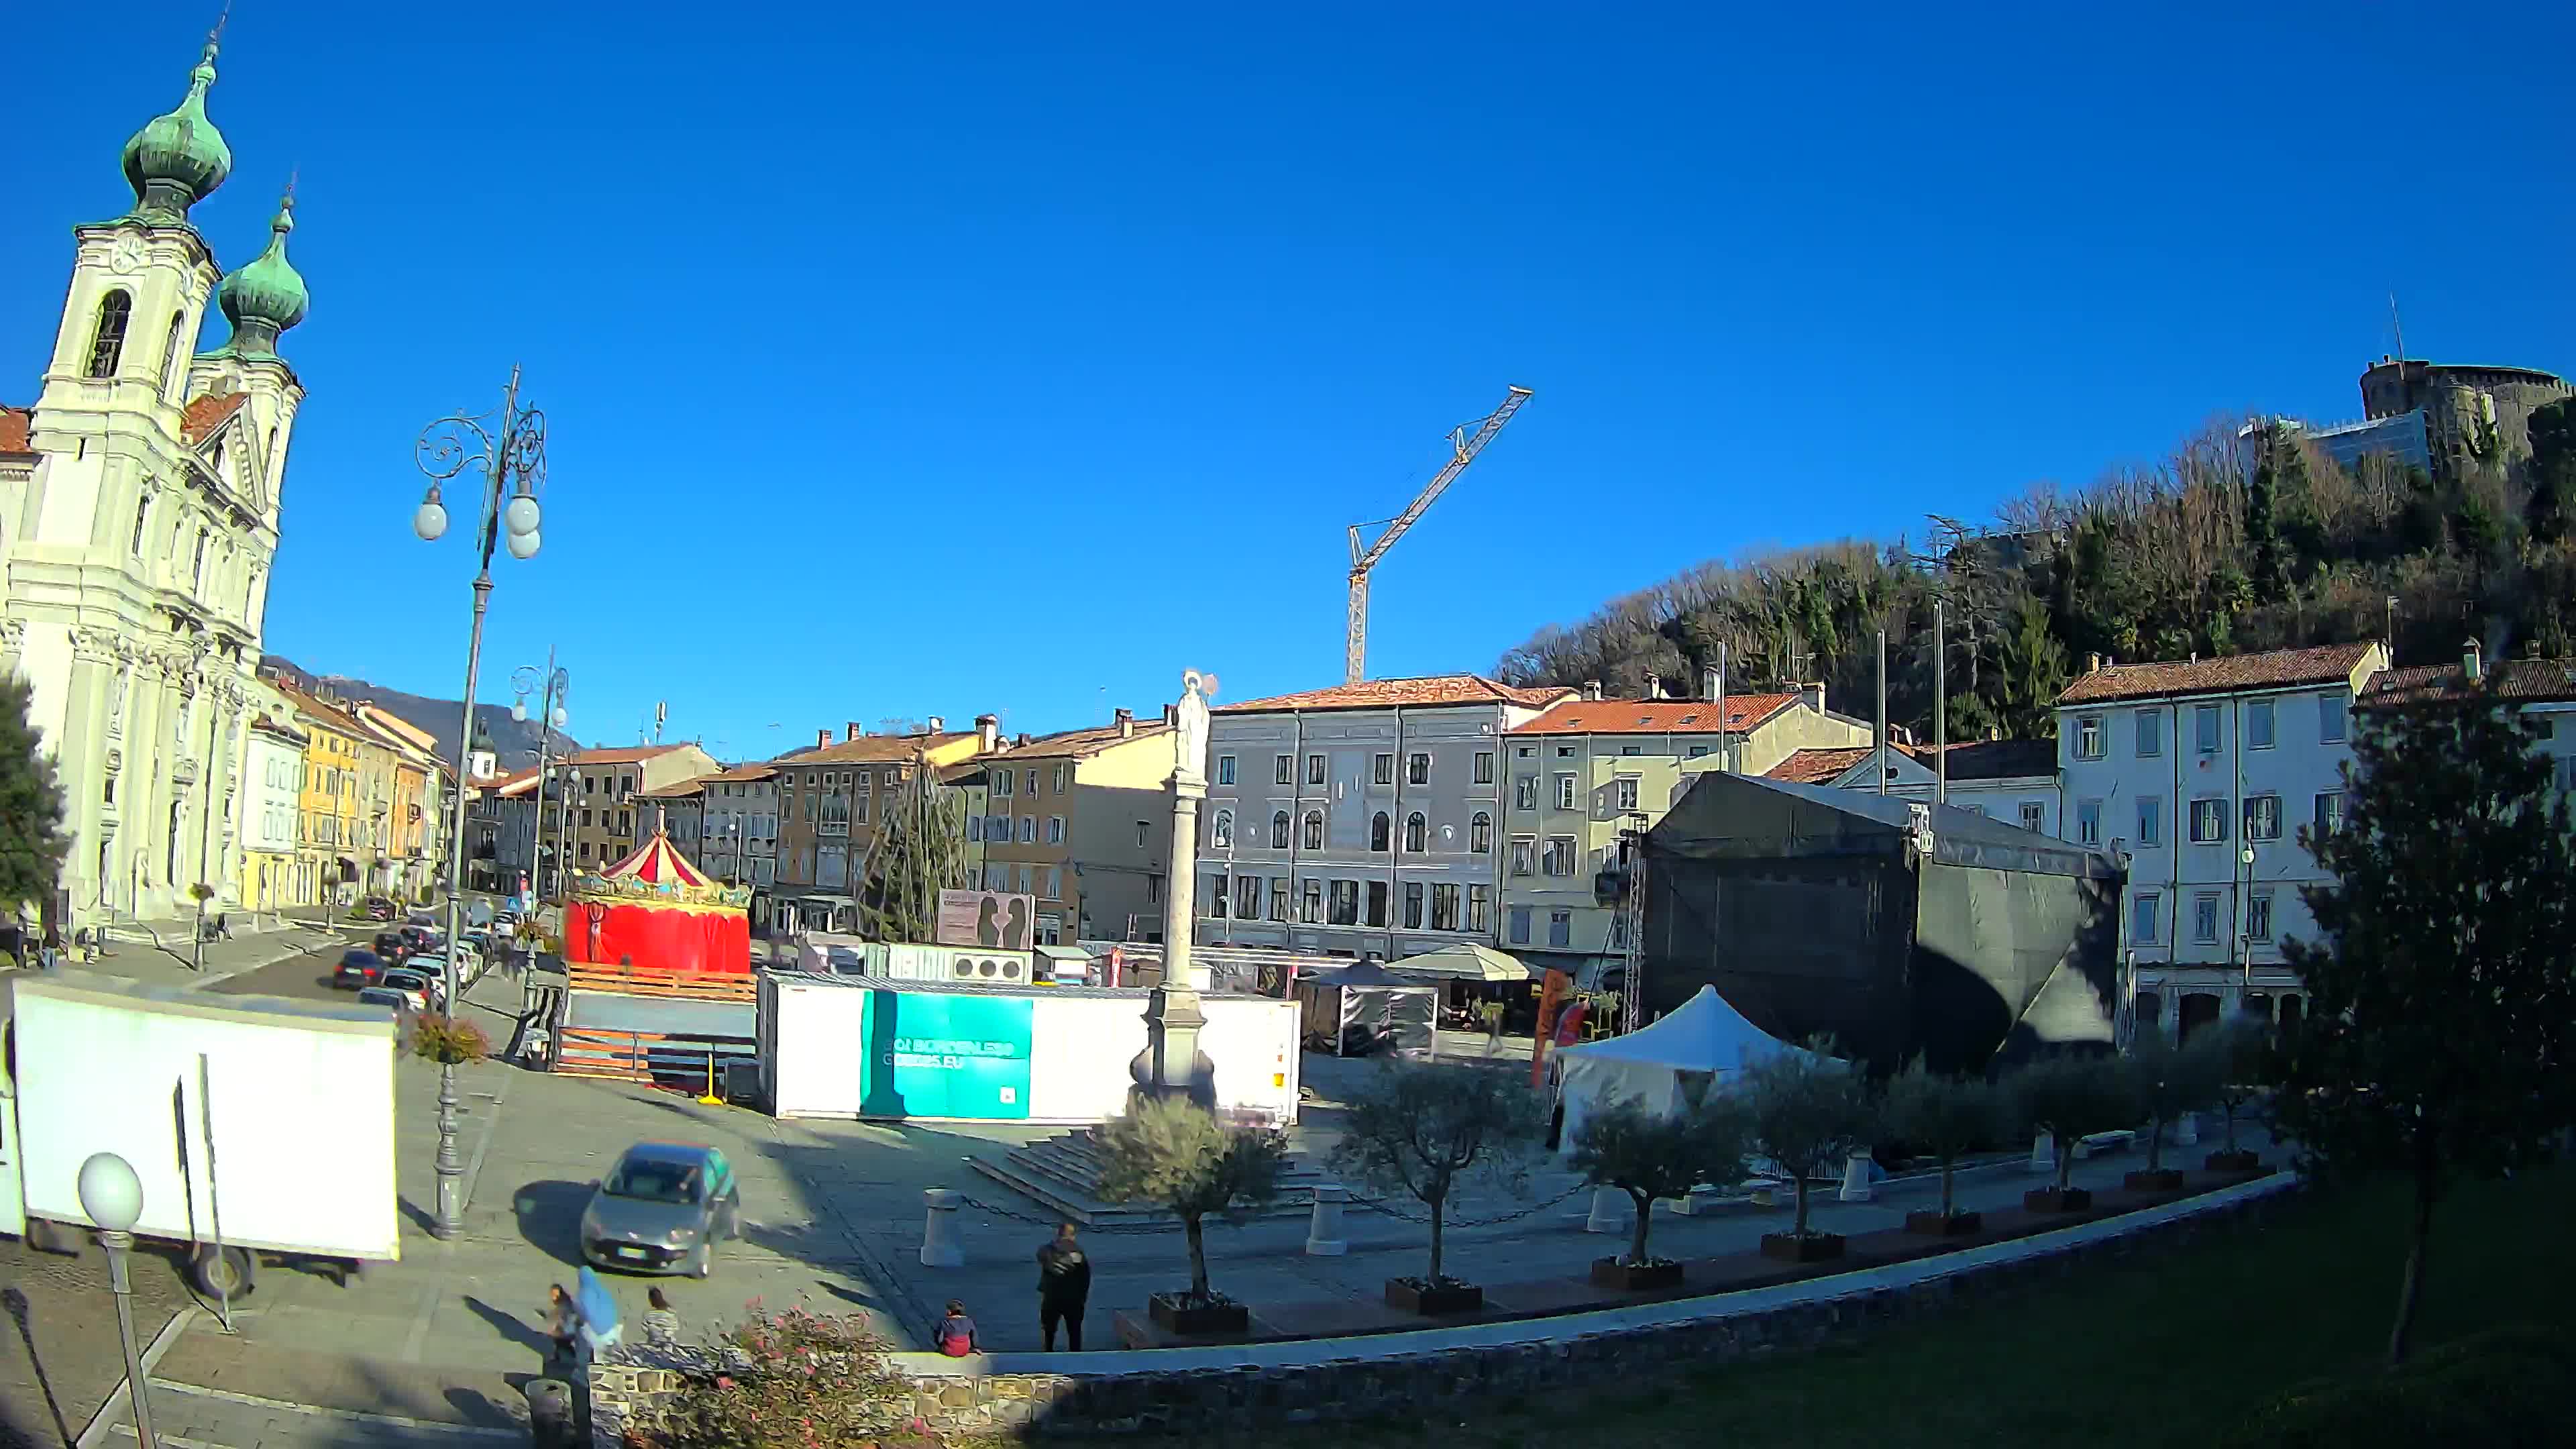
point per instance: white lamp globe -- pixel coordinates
(519, 515)
(110, 1192)
(560, 717)
(430, 522)
(523, 545)
(519, 710)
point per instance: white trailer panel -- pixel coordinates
(301, 1156)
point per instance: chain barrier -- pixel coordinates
(1383, 1205)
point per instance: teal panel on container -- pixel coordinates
(936, 1055)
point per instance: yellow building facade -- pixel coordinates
(331, 828)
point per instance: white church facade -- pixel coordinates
(138, 526)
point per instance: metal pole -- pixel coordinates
(1725, 751)
(117, 1244)
(1879, 754)
(1940, 708)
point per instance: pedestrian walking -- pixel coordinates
(954, 1335)
(661, 1325)
(1064, 1286)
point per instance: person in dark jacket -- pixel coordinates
(1064, 1285)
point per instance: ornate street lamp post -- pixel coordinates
(509, 450)
(551, 687)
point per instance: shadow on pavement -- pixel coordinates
(16, 1302)
(549, 1217)
(510, 1326)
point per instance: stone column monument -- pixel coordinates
(1172, 1064)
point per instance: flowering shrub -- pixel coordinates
(444, 1039)
(789, 1380)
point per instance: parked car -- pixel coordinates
(392, 948)
(358, 967)
(377, 908)
(418, 990)
(662, 1209)
(401, 1002)
(418, 938)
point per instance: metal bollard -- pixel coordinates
(1324, 1231)
(2042, 1159)
(1856, 1186)
(1611, 1211)
(549, 1413)
(939, 1245)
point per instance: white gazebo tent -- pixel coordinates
(1689, 1052)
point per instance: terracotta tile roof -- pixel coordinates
(2278, 669)
(1079, 744)
(678, 789)
(962, 771)
(14, 423)
(2531, 680)
(205, 413)
(330, 715)
(742, 773)
(1995, 759)
(1430, 689)
(1655, 717)
(1823, 767)
(874, 749)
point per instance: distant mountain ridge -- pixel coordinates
(516, 741)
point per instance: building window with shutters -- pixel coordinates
(1413, 905)
(1278, 830)
(1381, 831)
(1480, 833)
(1444, 907)
(1416, 833)
(1314, 830)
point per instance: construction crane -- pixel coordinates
(1464, 444)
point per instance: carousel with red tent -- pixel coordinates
(656, 911)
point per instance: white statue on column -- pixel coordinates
(1193, 732)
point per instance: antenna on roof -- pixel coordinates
(2398, 325)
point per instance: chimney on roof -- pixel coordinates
(1654, 685)
(822, 738)
(2472, 662)
(1592, 689)
(855, 733)
(2093, 663)
(1024, 737)
(937, 723)
(1172, 715)
(1126, 723)
(1814, 695)
(1710, 682)
(988, 731)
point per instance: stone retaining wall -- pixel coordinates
(1233, 1398)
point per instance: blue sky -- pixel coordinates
(940, 359)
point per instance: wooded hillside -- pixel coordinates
(2229, 546)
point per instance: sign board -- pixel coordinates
(936, 1055)
(986, 918)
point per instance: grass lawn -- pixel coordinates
(2162, 1348)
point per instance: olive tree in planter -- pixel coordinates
(1945, 1119)
(2070, 1098)
(1180, 1156)
(1426, 1130)
(2169, 1081)
(1650, 1155)
(2240, 1065)
(1810, 1111)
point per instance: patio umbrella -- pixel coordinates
(1462, 962)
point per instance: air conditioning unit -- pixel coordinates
(988, 968)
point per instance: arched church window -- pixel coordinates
(107, 342)
(175, 354)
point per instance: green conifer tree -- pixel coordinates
(32, 843)
(920, 849)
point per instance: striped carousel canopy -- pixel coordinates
(657, 863)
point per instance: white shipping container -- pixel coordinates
(300, 1156)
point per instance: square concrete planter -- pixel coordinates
(1432, 1300)
(1636, 1277)
(1933, 1225)
(2238, 1161)
(1813, 1248)
(1176, 1313)
(2162, 1179)
(2050, 1200)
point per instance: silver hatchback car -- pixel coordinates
(662, 1210)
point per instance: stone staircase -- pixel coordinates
(1064, 1173)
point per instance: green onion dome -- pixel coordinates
(177, 160)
